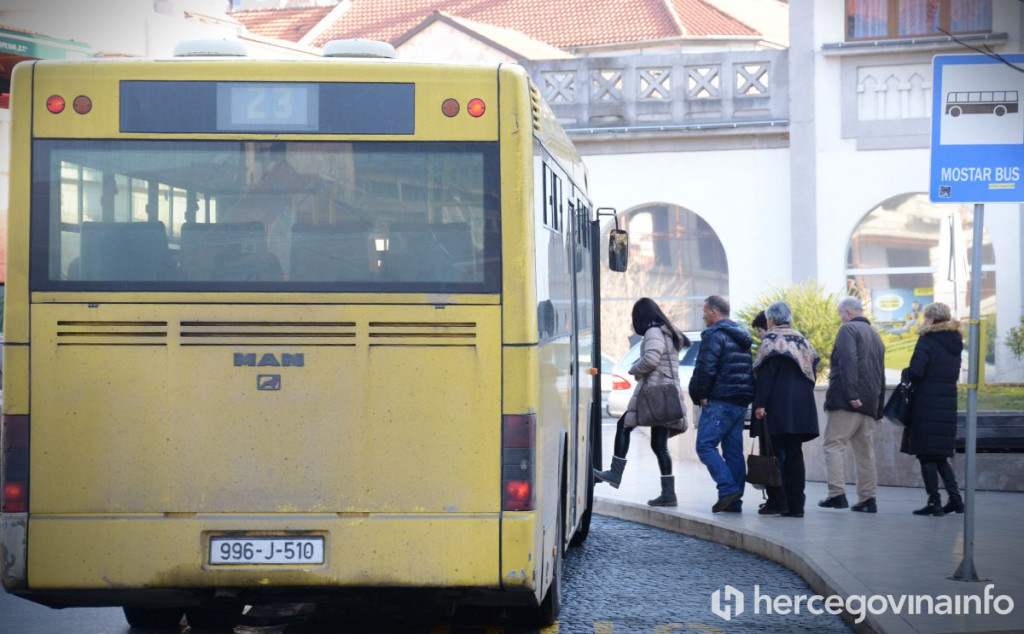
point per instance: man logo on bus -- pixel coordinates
(286, 360)
(997, 102)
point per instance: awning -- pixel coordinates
(36, 46)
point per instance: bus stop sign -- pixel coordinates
(977, 129)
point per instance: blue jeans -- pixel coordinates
(722, 423)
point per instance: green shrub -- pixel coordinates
(814, 315)
(1015, 339)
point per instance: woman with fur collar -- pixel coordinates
(931, 435)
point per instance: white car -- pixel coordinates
(623, 383)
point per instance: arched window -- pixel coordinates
(909, 252)
(675, 258)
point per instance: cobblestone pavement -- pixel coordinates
(627, 578)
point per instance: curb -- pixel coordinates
(829, 579)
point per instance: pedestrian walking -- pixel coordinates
(931, 434)
(853, 404)
(784, 409)
(723, 385)
(658, 364)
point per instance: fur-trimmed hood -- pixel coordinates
(947, 333)
(942, 326)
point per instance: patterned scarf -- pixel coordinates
(782, 339)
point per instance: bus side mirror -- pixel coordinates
(618, 250)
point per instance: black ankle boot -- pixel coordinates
(954, 505)
(934, 507)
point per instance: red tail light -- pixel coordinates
(619, 383)
(518, 459)
(14, 464)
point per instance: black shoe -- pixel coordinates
(735, 507)
(867, 506)
(837, 502)
(770, 510)
(954, 505)
(726, 501)
(933, 507)
(792, 514)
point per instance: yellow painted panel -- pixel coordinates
(16, 379)
(16, 291)
(520, 545)
(394, 418)
(518, 251)
(520, 391)
(263, 298)
(161, 552)
(99, 79)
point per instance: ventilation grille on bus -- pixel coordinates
(111, 333)
(420, 333)
(269, 333)
(535, 106)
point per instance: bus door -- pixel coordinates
(579, 257)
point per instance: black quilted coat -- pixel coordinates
(724, 368)
(934, 371)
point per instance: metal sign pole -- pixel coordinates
(966, 570)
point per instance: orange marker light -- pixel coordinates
(476, 107)
(450, 107)
(82, 104)
(55, 104)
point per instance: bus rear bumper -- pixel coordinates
(13, 549)
(120, 553)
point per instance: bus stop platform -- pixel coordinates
(839, 552)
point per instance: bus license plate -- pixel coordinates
(266, 550)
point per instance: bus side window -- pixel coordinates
(124, 251)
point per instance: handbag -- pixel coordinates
(659, 404)
(897, 408)
(765, 470)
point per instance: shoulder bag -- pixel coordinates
(897, 408)
(658, 404)
(764, 471)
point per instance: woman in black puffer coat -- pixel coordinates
(931, 435)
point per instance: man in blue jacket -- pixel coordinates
(723, 385)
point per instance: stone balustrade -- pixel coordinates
(638, 93)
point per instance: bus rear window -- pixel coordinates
(265, 216)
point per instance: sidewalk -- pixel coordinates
(840, 552)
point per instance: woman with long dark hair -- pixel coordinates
(658, 364)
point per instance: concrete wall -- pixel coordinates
(995, 471)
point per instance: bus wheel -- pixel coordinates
(955, 111)
(999, 111)
(154, 618)
(584, 527)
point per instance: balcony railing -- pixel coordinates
(636, 93)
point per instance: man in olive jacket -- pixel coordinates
(723, 385)
(853, 404)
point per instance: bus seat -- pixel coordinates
(124, 251)
(227, 252)
(421, 252)
(331, 253)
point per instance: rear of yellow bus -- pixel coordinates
(270, 331)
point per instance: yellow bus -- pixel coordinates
(294, 328)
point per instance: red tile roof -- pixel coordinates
(283, 24)
(562, 23)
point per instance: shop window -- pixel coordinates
(907, 253)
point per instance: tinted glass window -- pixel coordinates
(275, 216)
